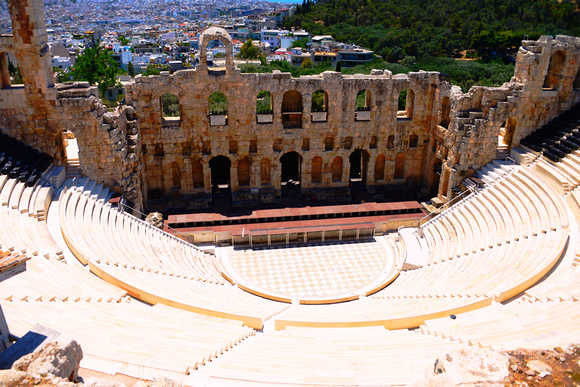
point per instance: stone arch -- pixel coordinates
(175, 175)
(316, 170)
(445, 111)
(292, 109)
(244, 171)
(363, 100)
(216, 33)
(220, 170)
(380, 167)
(400, 166)
(336, 168)
(197, 174)
(265, 171)
(555, 68)
(406, 104)
(292, 101)
(509, 130)
(264, 102)
(319, 101)
(291, 173)
(170, 107)
(358, 159)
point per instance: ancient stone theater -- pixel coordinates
(370, 291)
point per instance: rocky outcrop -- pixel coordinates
(468, 366)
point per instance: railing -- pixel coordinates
(121, 209)
(471, 192)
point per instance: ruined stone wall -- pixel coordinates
(38, 112)
(163, 141)
(443, 135)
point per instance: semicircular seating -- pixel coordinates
(484, 251)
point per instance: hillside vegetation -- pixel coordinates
(395, 29)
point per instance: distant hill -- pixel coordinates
(395, 29)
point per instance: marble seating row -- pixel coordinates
(132, 338)
(149, 264)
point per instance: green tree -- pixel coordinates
(218, 103)
(15, 73)
(306, 64)
(170, 105)
(150, 70)
(131, 69)
(96, 65)
(249, 51)
(123, 40)
(300, 43)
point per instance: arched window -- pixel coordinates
(400, 166)
(170, 106)
(265, 171)
(380, 167)
(175, 175)
(264, 102)
(406, 104)
(413, 141)
(316, 170)
(391, 141)
(363, 100)
(337, 169)
(197, 172)
(319, 101)
(374, 142)
(218, 104)
(362, 106)
(445, 111)
(319, 106)
(244, 171)
(292, 109)
(554, 70)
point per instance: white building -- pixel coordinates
(61, 62)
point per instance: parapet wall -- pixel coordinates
(442, 136)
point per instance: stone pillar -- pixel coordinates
(4, 74)
(187, 175)
(31, 43)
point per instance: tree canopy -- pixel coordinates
(96, 65)
(395, 29)
(249, 51)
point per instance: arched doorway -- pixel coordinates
(359, 160)
(436, 176)
(508, 131)
(220, 183)
(291, 172)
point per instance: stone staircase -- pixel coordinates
(493, 171)
(73, 168)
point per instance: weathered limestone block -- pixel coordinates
(58, 358)
(468, 366)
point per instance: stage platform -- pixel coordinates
(295, 225)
